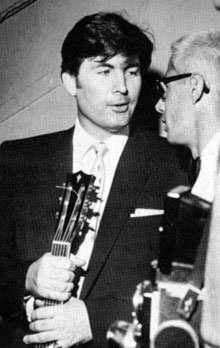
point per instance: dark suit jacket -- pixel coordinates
(30, 169)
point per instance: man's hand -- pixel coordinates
(66, 324)
(51, 277)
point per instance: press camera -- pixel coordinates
(167, 307)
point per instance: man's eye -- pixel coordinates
(133, 71)
(104, 72)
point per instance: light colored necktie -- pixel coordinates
(98, 170)
(96, 155)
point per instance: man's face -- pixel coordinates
(176, 108)
(107, 93)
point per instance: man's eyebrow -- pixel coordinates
(132, 61)
(128, 63)
(99, 63)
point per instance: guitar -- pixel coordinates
(78, 196)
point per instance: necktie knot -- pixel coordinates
(100, 149)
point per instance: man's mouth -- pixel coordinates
(119, 107)
(164, 124)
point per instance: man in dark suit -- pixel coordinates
(105, 59)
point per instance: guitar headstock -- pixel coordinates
(79, 193)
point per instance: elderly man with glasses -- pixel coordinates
(190, 103)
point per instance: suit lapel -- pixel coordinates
(130, 177)
(58, 162)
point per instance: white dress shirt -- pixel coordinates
(83, 159)
(204, 186)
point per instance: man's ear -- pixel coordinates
(69, 82)
(197, 84)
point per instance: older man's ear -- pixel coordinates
(160, 106)
(197, 86)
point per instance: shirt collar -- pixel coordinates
(212, 148)
(116, 142)
(83, 141)
(204, 186)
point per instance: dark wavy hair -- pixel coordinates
(105, 34)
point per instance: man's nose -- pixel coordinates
(120, 84)
(160, 106)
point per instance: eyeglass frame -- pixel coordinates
(168, 79)
(173, 78)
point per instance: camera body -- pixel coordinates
(167, 307)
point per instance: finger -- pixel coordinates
(54, 295)
(61, 262)
(70, 264)
(43, 313)
(77, 262)
(41, 337)
(42, 325)
(39, 303)
(60, 286)
(62, 275)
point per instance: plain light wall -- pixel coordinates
(32, 98)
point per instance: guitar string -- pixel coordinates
(68, 190)
(65, 205)
(74, 215)
(74, 229)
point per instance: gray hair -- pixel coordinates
(198, 52)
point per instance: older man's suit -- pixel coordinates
(30, 170)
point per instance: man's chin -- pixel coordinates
(117, 129)
(171, 139)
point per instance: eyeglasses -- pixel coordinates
(158, 87)
(161, 84)
(173, 78)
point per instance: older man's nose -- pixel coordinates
(160, 106)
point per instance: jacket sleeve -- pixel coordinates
(12, 274)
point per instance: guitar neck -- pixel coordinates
(79, 191)
(60, 248)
